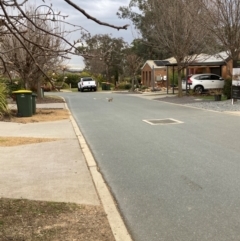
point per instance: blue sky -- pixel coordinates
(103, 10)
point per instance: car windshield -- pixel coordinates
(88, 79)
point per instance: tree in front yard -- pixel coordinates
(16, 22)
(224, 16)
(105, 54)
(172, 27)
(132, 65)
(44, 47)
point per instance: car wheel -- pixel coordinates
(95, 89)
(81, 90)
(198, 89)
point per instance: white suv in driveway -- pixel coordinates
(201, 82)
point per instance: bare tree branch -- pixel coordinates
(13, 4)
(20, 24)
(94, 19)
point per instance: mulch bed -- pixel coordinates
(45, 100)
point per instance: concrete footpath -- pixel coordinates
(61, 170)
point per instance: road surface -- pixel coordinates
(172, 181)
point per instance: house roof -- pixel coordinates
(171, 60)
(157, 64)
(161, 62)
(205, 59)
(197, 60)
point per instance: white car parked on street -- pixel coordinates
(201, 82)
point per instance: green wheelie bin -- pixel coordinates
(104, 85)
(34, 96)
(24, 103)
(108, 86)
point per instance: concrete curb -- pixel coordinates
(117, 225)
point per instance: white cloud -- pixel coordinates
(103, 10)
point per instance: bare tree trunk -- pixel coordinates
(107, 73)
(180, 94)
(39, 90)
(26, 83)
(133, 82)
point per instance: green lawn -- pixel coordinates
(74, 89)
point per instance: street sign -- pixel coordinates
(235, 92)
(236, 73)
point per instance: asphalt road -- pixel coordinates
(171, 182)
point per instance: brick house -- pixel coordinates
(219, 64)
(154, 72)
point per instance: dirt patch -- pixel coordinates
(49, 221)
(16, 141)
(41, 115)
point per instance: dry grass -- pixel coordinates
(41, 115)
(16, 141)
(25, 220)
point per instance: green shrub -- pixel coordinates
(72, 79)
(173, 79)
(227, 89)
(13, 87)
(16, 84)
(127, 79)
(124, 86)
(85, 74)
(3, 100)
(64, 85)
(100, 78)
(4, 80)
(143, 87)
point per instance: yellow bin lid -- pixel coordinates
(22, 92)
